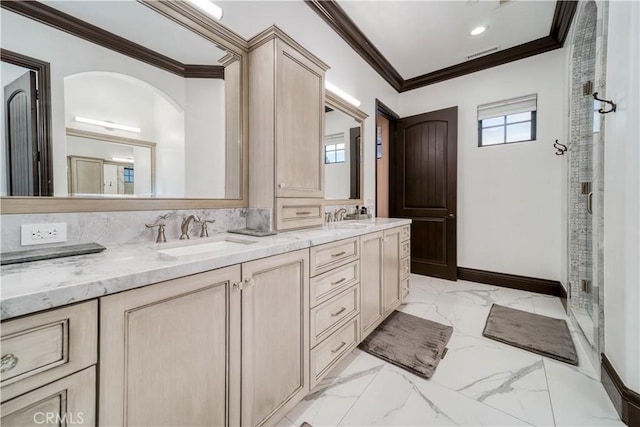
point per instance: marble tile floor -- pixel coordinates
(480, 382)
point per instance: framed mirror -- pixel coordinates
(343, 151)
(100, 116)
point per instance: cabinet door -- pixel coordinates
(391, 269)
(169, 353)
(275, 336)
(66, 402)
(371, 308)
(299, 124)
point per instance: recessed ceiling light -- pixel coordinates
(478, 30)
(209, 7)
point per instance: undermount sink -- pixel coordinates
(355, 225)
(206, 246)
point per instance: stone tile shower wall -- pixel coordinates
(586, 164)
(581, 155)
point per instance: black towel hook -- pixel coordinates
(560, 147)
(602, 110)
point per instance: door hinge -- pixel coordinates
(37, 94)
(39, 156)
(585, 187)
(587, 88)
(586, 286)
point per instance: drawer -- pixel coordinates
(331, 255)
(298, 213)
(405, 268)
(326, 355)
(333, 282)
(326, 317)
(405, 233)
(405, 249)
(71, 399)
(42, 348)
(404, 289)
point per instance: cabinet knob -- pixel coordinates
(451, 216)
(281, 185)
(8, 362)
(250, 283)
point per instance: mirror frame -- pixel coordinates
(359, 116)
(193, 19)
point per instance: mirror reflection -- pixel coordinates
(120, 126)
(341, 155)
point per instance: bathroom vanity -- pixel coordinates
(231, 337)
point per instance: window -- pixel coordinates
(505, 122)
(128, 175)
(334, 149)
(379, 142)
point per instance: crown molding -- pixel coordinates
(331, 12)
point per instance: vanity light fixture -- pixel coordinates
(478, 30)
(209, 7)
(107, 125)
(122, 159)
(342, 94)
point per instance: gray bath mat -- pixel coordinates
(413, 343)
(533, 332)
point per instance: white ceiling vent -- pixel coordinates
(482, 53)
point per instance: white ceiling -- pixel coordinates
(142, 25)
(418, 37)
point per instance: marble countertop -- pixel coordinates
(30, 287)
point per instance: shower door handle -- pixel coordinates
(590, 202)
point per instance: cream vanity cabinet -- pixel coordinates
(335, 304)
(391, 270)
(286, 126)
(48, 367)
(405, 261)
(385, 281)
(275, 337)
(170, 353)
(371, 259)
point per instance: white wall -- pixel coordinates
(509, 196)
(169, 151)
(205, 136)
(622, 194)
(348, 70)
(337, 176)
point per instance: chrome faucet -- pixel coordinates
(185, 225)
(339, 214)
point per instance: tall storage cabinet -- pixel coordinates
(286, 128)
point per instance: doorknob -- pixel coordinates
(451, 216)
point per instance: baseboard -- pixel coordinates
(625, 400)
(531, 284)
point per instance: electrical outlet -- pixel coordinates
(39, 234)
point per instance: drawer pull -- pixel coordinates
(303, 213)
(339, 281)
(8, 362)
(342, 309)
(337, 349)
(338, 254)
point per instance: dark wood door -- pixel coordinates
(354, 163)
(423, 182)
(20, 98)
